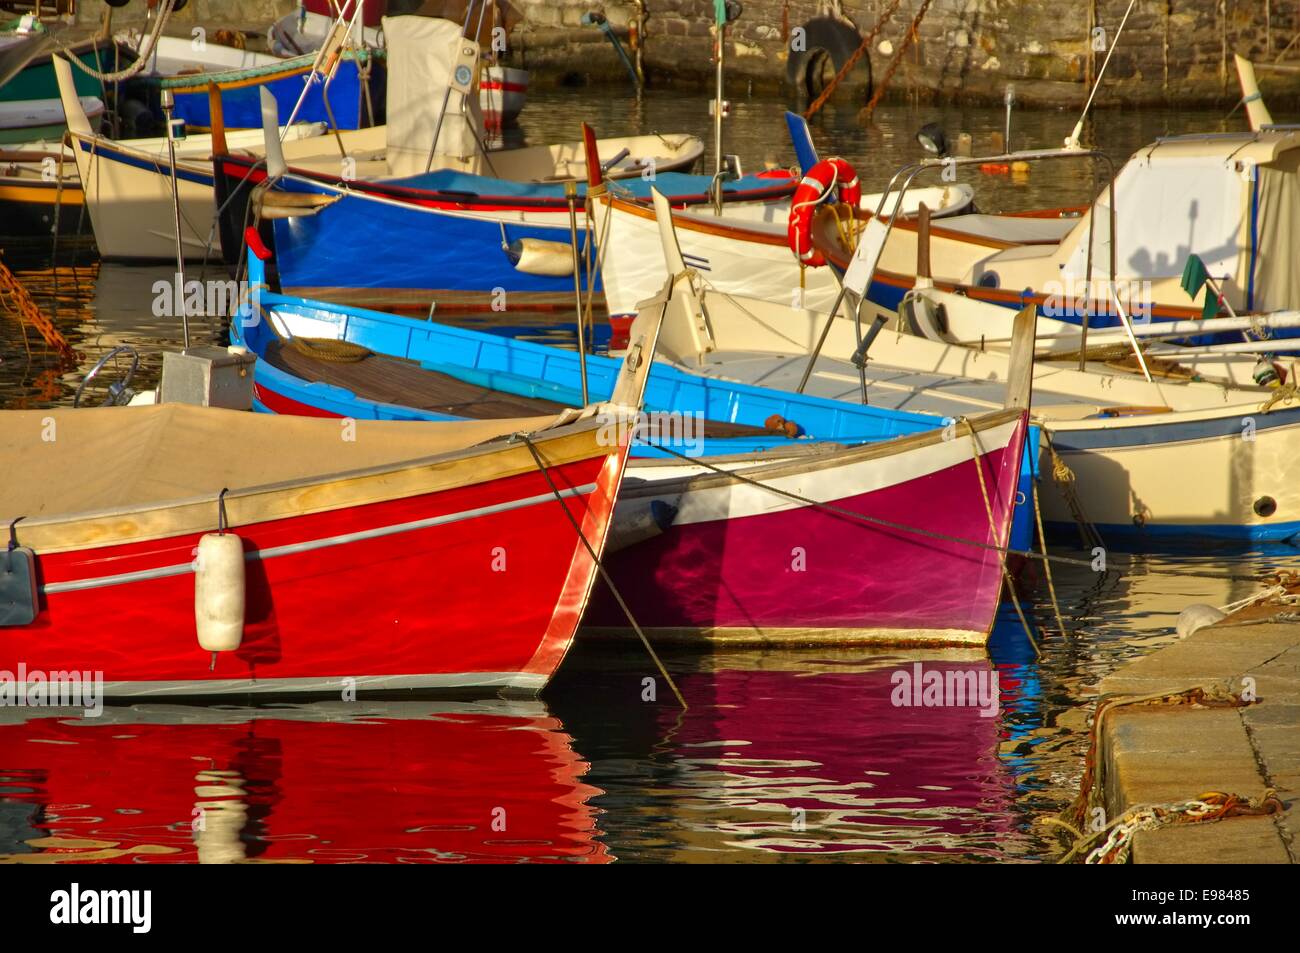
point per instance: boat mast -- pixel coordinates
(720, 15)
(168, 106)
(1073, 141)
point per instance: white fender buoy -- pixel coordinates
(1197, 616)
(536, 256)
(219, 592)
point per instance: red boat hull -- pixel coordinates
(476, 586)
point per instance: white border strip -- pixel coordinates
(523, 681)
(340, 540)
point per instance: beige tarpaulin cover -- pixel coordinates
(421, 54)
(1277, 266)
(110, 457)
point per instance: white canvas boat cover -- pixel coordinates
(421, 55)
(1169, 207)
(1234, 200)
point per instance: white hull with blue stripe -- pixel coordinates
(1165, 462)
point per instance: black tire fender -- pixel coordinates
(824, 37)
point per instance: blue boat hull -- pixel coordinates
(442, 235)
(423, 252)
(241, 106)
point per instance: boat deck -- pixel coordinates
(393, 380)
(891, 387)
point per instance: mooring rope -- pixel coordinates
(164, 11)
(1047, 564)
(1064, 478)
(977, 451)
(1118, 833)
(933, 534)
(600, 567)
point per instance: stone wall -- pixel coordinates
(1174, 51)
(252, 16)
(1177, 51)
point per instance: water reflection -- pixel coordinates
(783, 755)
(786, 755)
(396, 782)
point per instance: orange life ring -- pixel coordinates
(821, 178)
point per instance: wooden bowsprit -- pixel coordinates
(14, 299)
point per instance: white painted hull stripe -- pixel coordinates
(340, 540)
(316, 684)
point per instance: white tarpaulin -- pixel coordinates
(422, 53)
(1169, 207)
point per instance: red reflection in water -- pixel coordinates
(406, 782)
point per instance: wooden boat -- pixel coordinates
(464, 238)
(745, 249)
(130, 193)
(699, 545)
(304, 30)
(35, 119)
(340, 532)
(30, 195)
(1121, 436)
(1220, 197)
(957, 319)
(131, 224)
(502, 92)
(27, 63)
(427, 187)
(181, 56)
(327, 782)
(341, 103)
(18, 46)
(448, 236)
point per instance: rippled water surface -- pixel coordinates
(782, 755)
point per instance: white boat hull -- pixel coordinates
(742, 251)
(1171, 460)
(501, 94)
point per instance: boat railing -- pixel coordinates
(904, 178)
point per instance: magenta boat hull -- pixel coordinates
(806, 573)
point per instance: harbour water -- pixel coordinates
(782, 755)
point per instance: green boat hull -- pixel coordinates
(36, 81)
